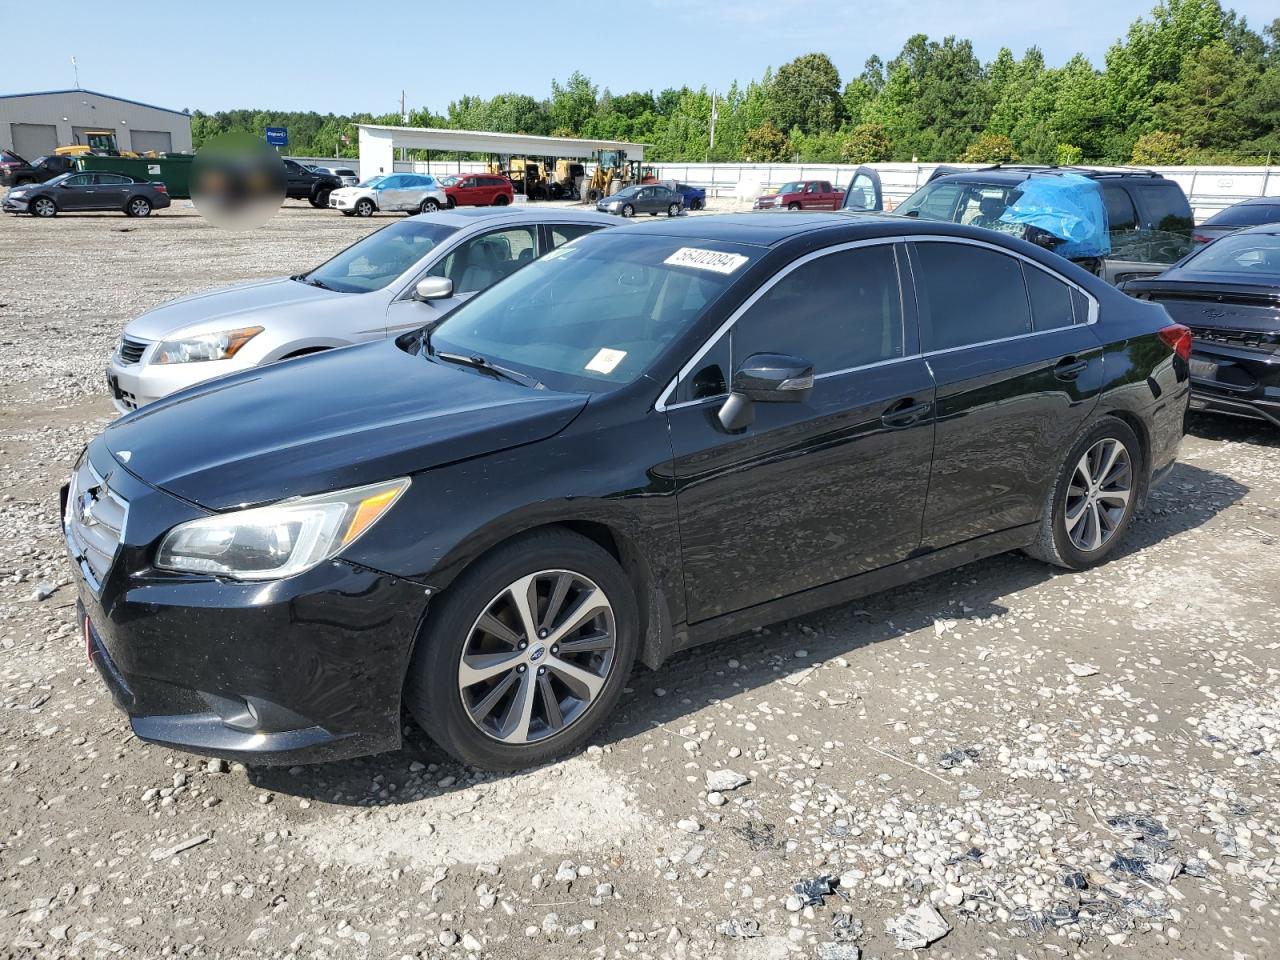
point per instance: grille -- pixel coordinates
(131, 350)
(93, 523)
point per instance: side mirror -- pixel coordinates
(765, 378)
(433, 288)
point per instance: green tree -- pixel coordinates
(1205, 104)
(1160, 149)
(765, 144)
(990, 148)
(866, 143)
(572, 104)
(805, 93)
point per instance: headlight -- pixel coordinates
(206, 346)
(267, 543)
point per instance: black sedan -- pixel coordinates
(648, 439)
(1246, 213)
(1228, 293)
(87, 191)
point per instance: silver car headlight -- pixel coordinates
(286, 538)
(206, 346)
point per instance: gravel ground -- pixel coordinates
(1005, 760)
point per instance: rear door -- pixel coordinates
(558, 234)
(113, 189)
(810, 492)
(864, 194)
(1018, 371)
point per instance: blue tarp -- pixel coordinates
(1069, 207)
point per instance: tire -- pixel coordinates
(364, 207)
(23, 181)
(594, 195)
(793, 206)
(429, 205)
(501, 201)
(673, 210)
(138, 207)
(696, 205)
(43, 207)
(453, 203)
(628, 210)
(446, 709)
(320, 199)
(1103, 518)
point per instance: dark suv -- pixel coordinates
(15, 171)
(1148, 216)
(303, 183)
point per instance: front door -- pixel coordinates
(811, 492)
(78, 193)
(864, 194)
(393, 192)
(1018, 369)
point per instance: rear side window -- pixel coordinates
(838, 311)
(1164, 205)
(1051, 306)
(971, 295)
(1120, 212)
(562, 233)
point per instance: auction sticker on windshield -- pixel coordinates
(717, 261)
(605, 360)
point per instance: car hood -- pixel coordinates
(329, 421)
(226, 305)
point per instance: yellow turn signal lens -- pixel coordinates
(369, 510)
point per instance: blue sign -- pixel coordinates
(278, 136)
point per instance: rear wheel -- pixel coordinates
(364, 207)
(429, 205)
(501, 201)
(320, 199)
(1092, 502)
(673, 210)
(696, 205)
(43, 207)
(138, 207)
(527, 652)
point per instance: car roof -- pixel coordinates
(1271, 228)
(767, 228)
(461, 218)
(1016, 173)
(1256, 201)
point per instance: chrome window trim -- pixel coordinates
(662, 405)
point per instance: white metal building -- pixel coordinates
(378, 143)
(34, 124)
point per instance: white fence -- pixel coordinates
(1210, 189)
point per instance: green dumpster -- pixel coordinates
(174, 170)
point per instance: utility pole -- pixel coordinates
(77, 70)
(715, 114)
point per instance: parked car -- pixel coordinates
(695, 198)
(345, 174)
(650, 198)
(15, 171)
(1149, 220)
(1246, 213)
(654, 437)
(802, 195)
(87, 191)
(302, 183)
(367, 292)
(1228, 293)
(406, 192)
(479, 190)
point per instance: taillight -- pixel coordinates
(161, 188)
(1178, 338)
(1201, 238)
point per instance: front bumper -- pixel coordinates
(342, 203)
(10, 205)
(1235, 381)
(134, 385)
(298, 670)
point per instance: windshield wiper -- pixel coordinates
(310, 281)
(477, 362)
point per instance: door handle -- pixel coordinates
(905, 413)
(1069, 368)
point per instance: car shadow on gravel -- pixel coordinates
(1207, 426)
(694, 679)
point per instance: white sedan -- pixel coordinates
(410, 192)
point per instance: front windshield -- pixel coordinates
(626, 192)
(372, 180)
(793, 187)
(54, 181)
(1243, 254)
(592, 315)
(376, 260)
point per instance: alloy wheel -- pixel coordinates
(537, 657)
(139, 207)
(1098, 494)
(44, 207)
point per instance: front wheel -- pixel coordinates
(44, 207)
(138, 207)
(1093, 499)
(628, 210)
(364, 208)
(429, 205)
(793, 206)
(526, 653)
(320, 199)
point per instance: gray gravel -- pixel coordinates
(1050, 764)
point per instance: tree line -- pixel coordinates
(1190, 83)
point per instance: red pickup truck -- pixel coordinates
(802, 195)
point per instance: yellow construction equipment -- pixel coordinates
(95, 141)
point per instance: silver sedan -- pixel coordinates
(396, 279)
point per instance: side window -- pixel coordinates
(841, 310)
(479, 263)
(1079, 306)
(1050, 299)
(1120, 212)
(971, 295)
(562, 233)
(862, 193)
(1164, 205)
(80, 180)
(391, 183)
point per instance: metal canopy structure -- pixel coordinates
(378, 143)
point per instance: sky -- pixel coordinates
(344, 57)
